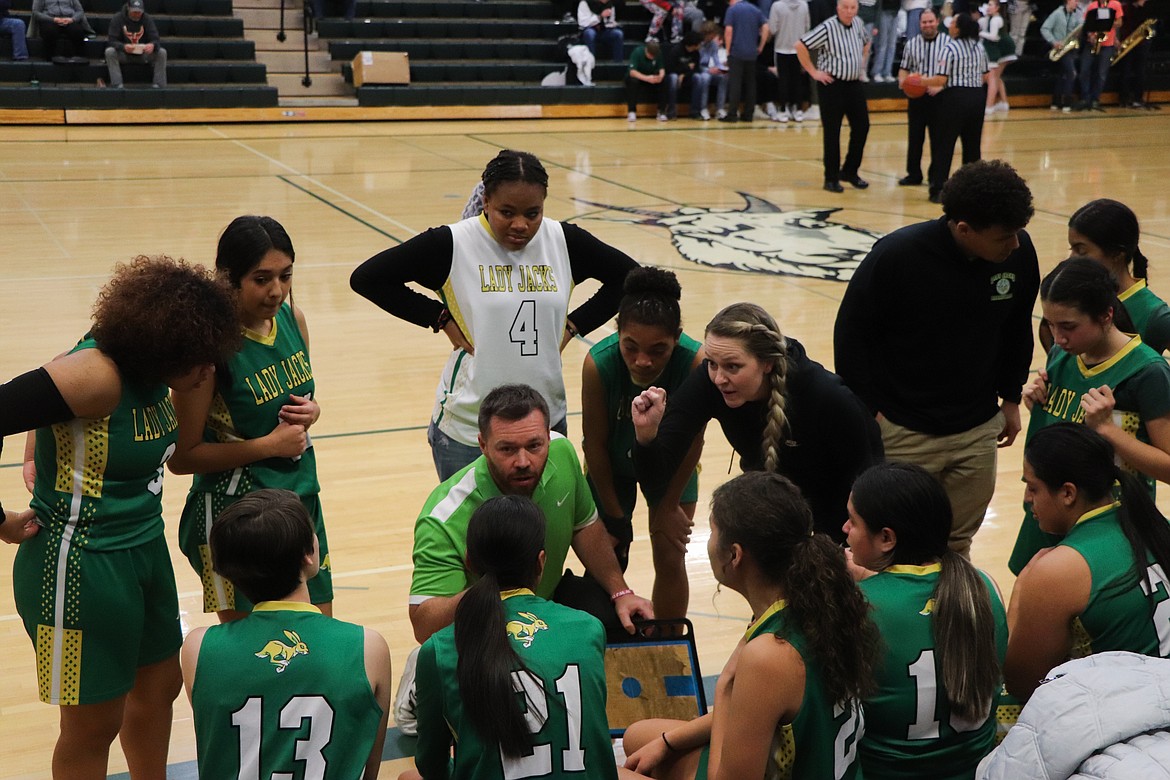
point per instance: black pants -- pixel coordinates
(959, 114)
(793, 81)
(741, 83)
(636, 90)
(843, 100)
(1132, 84)
(919, 116)
(586, 594)
(72, 35)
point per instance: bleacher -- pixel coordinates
(209, 63)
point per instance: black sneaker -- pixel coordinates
(909, 181)
(935, 196)
(833, 186)
(857, 183)
(729, 118)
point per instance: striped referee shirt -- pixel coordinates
(923, 56)
(839, 48)
(963, 62)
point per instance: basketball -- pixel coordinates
(913, 87)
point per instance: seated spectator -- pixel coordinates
(712, 70)
(597, 19)
(14, 27)
(646, 75)
(681, 62)
(63, 27)
(133, 37)
(319, 8)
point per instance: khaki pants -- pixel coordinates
(963, 462)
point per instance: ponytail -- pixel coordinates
(833, 615)
(964, 636)
(505, 537)
(1141, 266)
(484, 669)
(1144, 526)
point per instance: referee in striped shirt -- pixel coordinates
(841, 47)
(962, 79)
(921, 55)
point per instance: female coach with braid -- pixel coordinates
(781, 411)
(504, 278)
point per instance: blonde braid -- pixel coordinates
(777, 419)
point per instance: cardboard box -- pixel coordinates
(381, 67)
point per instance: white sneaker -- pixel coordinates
(632, 117)
(662, 117)
(989, 111)
(705, 115)
(865, 77)
(781, 116)
(770, 109)
(813, 114)
(405, 701)
(798, 115)
(721, 113)
(1002, 106)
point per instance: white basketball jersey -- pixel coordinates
(512, 308)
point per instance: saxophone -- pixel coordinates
(1144, 32)
(1070, 42)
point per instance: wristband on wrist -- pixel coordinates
(669, 746)
(622, 592)
(444, 318)
(571, 328)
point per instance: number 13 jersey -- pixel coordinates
(512, 307)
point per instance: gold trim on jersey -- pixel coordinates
(1138, 286)
(1082, 643)
(1129, 347)
(769, 612)
(59, 676)
(507, 594)
(93, 437)
(219, 421)
(1097, 512)
(783, 754)
(456, 313)
(260, 338)
(905, 568)
(292, 606)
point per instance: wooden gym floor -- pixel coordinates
(78, 199)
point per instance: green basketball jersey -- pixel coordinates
(1140, 380)
(262, 375)
(822, 740)
(283, 693)
(909, 729)
(1150, 315)
(620, 392)
(99, 482)
(1120, 615)
(565, 650)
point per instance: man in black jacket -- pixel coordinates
(934, 334)
(133, 37)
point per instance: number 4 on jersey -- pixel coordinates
(523, 330)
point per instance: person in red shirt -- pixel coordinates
(1095, 59)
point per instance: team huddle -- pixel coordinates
(876, 649)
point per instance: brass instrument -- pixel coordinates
(1144, 32)
(1071, 41)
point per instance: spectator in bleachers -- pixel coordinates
(319, 9)
(597, 20)
(682, 62)
(133, 37)
(788, 20)
(646, 74)
(63, 27)
(745, 31)
(660, 10)
(712, 70)
(1060, 24)
(14, 27)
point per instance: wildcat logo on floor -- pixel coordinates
(763, 238)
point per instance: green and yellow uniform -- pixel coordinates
(260, 378)
(564, 649)
(1121, 614)
(284, 693)
(1150, 315)
(821, 742)
(95, 587)
(1140, 380)
(909, 729)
